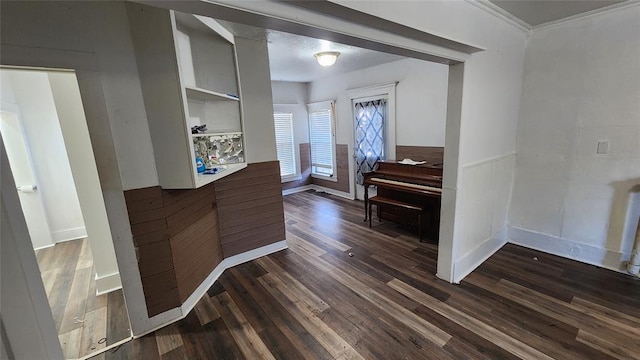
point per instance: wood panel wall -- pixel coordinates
(342, 173)
(250, 210)
(430, 154)
(305, 169)
(175, 233)
(192, 224)
(153, 249)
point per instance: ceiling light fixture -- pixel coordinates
(327, 58)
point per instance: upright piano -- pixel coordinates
(418, 185)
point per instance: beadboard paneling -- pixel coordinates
(250, 208)
(342, 173)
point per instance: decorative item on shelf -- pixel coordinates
(199, 129)
(215, 170)
(215, 149)
(200, 166)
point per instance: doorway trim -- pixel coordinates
(384, 91)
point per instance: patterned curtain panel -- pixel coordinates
(370, 135)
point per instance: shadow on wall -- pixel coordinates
(623, 220)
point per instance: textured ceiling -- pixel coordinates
(291, 57)
(537, 12)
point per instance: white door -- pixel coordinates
(25, 179)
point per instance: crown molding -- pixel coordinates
(493, 9)
(586, 15)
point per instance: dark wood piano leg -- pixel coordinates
(366, 203)
(420, 226)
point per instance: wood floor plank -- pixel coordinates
(293, 285)
(355, 320)
(564, 312)
(606, 347)
(85, 259)
(508, 343)
(70, 342)
(430, 332)
(168, 338)
(206, 311)
(74, 310)
(245, 336)
(118, 327)
(329, 339)
(94, 332)
(607, 314)
(249, 295)
(313, 301)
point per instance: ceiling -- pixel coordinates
(537, 12)
(291, 57)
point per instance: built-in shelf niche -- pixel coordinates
(187, 66)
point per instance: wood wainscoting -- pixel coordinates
(180, 236)
(430, 154)
(153, 249)
(342, 173)
(250, 208)
(305, 169)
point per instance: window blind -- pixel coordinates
(321, 139)
(284, 143)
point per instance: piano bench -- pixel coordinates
(379, 200)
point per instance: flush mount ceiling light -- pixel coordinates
(327, 58)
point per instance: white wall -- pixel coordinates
(292, 97)
(19, 157)
(37, 109)
(26, 316)
(489, 115)
(421, 99)
(94, 39)
(73, 124)
(257, 105)
(581, 85)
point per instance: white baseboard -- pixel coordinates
(254, 254)
(318, 188)
(44, 247)
(108, 283)
(69, 234)
(474, 258)
(227, 263)
(332, 191)
(586, 253)
(297, 189)
(199, 292)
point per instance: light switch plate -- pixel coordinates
(603, 147)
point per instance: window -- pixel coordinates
(284, 143)
(322, 139)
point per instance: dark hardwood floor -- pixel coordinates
(314, 301)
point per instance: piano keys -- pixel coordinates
(417, 185)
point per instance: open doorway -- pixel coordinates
(44, 129)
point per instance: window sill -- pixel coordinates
(325, 177)
(289, 178)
